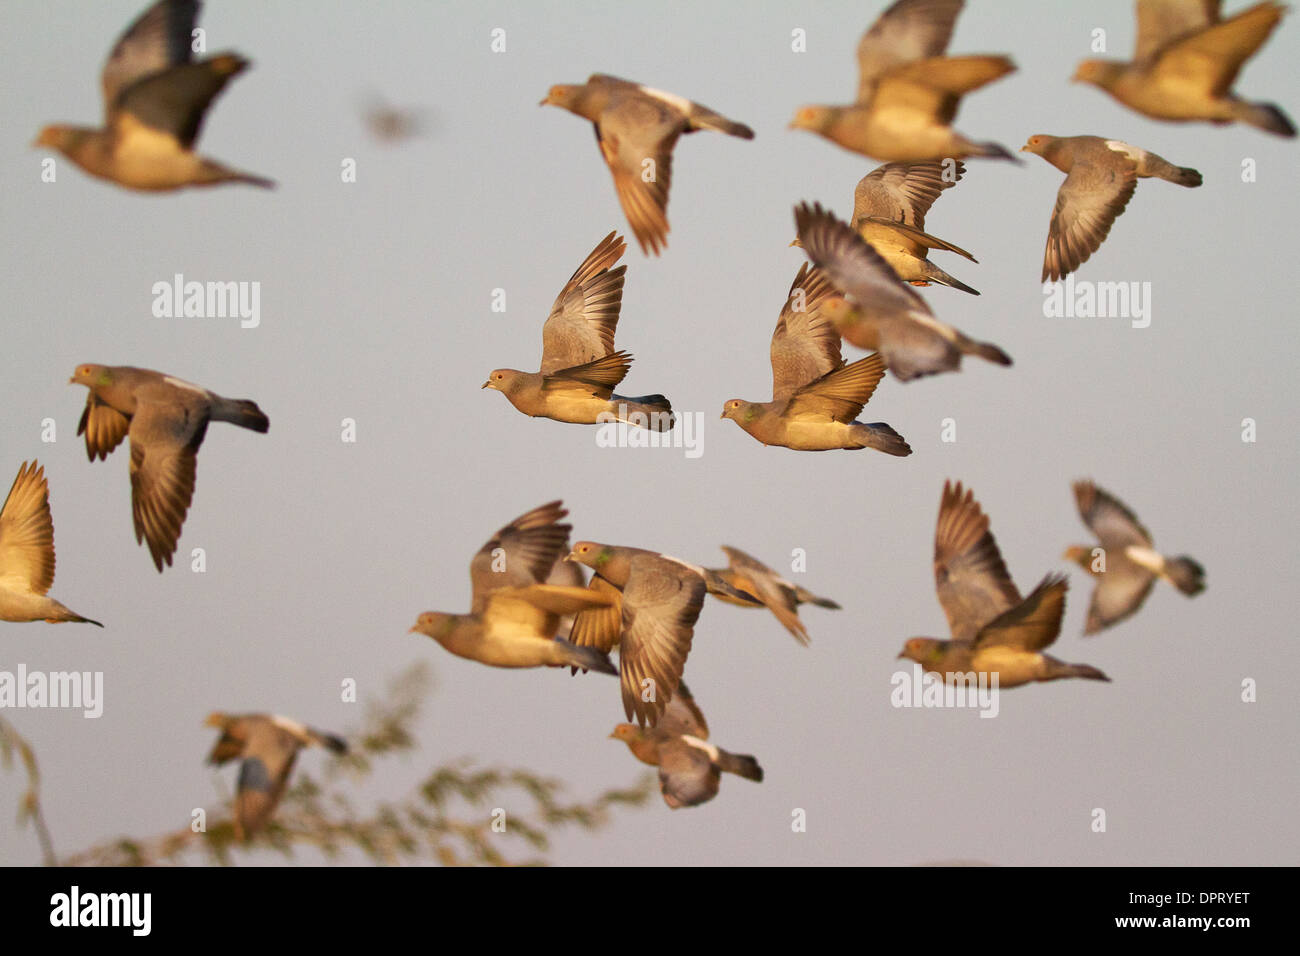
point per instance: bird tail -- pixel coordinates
(742, 765)
(588, 658)
(651, 411)
(333, 743)
(1185, 574)
(881, 437)
(985, 350)
(717, 584)
(937, 275)
(1264, 116)
(72, 617)
(702, 118)
(1076, 670)
(807, 597)
(991, 150)
(241, 412)
(250, 179)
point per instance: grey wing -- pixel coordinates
(1160, 22)
(636, 136)
(909, 30)
(1031, 625)
(969, 574)
(520, 554)
(1120, 592)
(268, 760)
(661, 603)
(804, 345)
(687, 774)
(681, 716)
(1087, 205)
(161, 37)
(850, 262)
(166, 432)
(1115, 526)
(903, 192)
(584, 317)
(176, 100)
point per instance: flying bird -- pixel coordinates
(579, 365)
(1128, 566)
(881, 312)
(27, 553)
(513, 616)
(994, 629)
(812, 409)
(155, 99)
(908, 90)
(1186, 61)
(690, 768)
(166, 419)
(889, 207)
(267, 746)
(656, 600)
(748, 574)
(636, 129)
(1100, 177)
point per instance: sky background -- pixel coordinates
(376, 306)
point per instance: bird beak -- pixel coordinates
(570, 557)
(901, 655)
(1025, 148)
(722, 416)
(487, 384)
(413, 629)
(613, 737)
(545, 100)
(73, 380)
(796, 242)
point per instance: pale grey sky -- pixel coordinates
(375, 306)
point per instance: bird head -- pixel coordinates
(92, 376)
(815, 118)
(1078, 554)
(216, 719)
(62, 138)
(923, 650)
(562, 94)
(628, 733)
(836, 310)
(738, 410)
(1101, 73)
(593, 555)
(502, 379)
(1039, 143)
(433, 624)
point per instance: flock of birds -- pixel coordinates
(531, 603)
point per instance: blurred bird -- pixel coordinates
(513, 617)
(155, 99)
(782, 598)
(166, 419)
(1128, 565)
(993, 628)
(690, 768)
(656, 600)
(1186, 61)
(268, 745)
(579, 365)
(27, 553)
(812, 409)
(884, 314)
(391, 124)
(889, 207)
(1101, 175)
(636, 129)
(908, 90)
